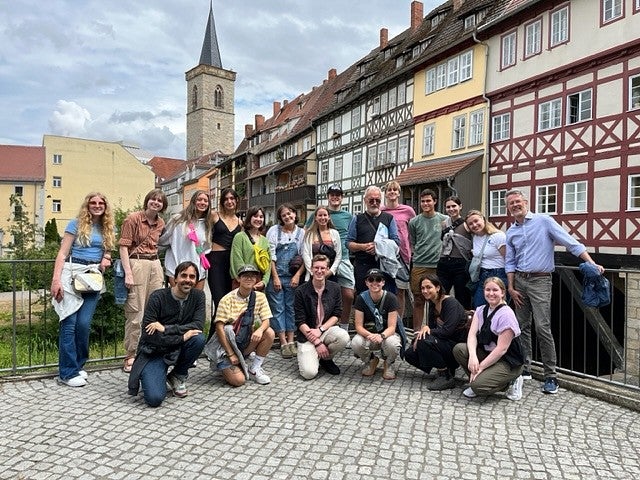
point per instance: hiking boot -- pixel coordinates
(370, 369)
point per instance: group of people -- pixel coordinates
(302, 284)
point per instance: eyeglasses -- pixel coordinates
(100, 204)
(375, 279)
(374, 200)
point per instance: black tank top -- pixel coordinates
(221, 234)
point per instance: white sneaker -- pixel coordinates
(76, 381)
(469, 393)
(178, 386)
(514, 391)
(83, 374)
(259, 376)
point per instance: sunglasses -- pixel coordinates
(375, 279)
(374, 200)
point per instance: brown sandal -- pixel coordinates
(128, 364)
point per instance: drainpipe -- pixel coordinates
(451, 187)
(487, 151)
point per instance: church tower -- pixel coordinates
(210, 100)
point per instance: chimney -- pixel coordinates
(332, 74)
(248, 128)
(276, 108)
(285, 103)
(384, 38)
(457, 4)
(416, 14)
(259, 121)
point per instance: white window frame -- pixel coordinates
(324, 171)
(376, 106)
(337, 124)
(441, 76)
(547, 199)
(56, 206)
(57, 158)
(633, 200)
(355, 117)
(574, 197)
(559, 27)
(372, 153)
(393, 98)
(403, 149)
(453, 71)
(466, 66)
(533, 38)
(430, 81)
(476, 127)
(357, 163)
(459, 131)
(337, 169)
(428, 139)
(497, 203)
(634, 91)
(508, 45)
(57, 182)
(469, 21)
(583, 109)
(324, 129)
(402, 94)
(611, 10)
(501, 127)
(392, 151)
(550, 114)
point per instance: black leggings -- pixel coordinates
(432, 352)
(218, 277)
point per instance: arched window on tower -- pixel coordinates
(217, 97)
(194, 98)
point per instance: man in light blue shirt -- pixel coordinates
(529, 263)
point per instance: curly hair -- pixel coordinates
(106, 222)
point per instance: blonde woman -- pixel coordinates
(322, 238)
(87, 242)
(187, 235)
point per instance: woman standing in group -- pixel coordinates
(322, 238)
(446, 326)
(142, 268)
(252, 248)
(489, 247)
(226, 225)
(187, 237)
(456, 252)
(87, 242)
(492, 356)
(285, 242)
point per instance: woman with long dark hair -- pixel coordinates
(252, 248)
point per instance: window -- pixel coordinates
(384, 102)
(57, 159)
(402, 94)
(392, 98)
(634, 192)
(533, 39)
(469, 21)
(217, 97)
(549, 114)
(357, 163)
(611, 10)
(579, 107)
(428, 139)
(430, 81)
(57, 182)
(403, 149)
(441, 76)
(476, 127)
(634, 91)
(357, 208)
(324, 172)
(546, 199)
(498, 205)
(466, 66)
(508, 55)
(337, 169)
(559, 26)
(501, 127)
(372, 151)
(306, 144)
(459, 130)
(56, 206)
(337, 125)
(382, 155)
(355, 117)
(18, 190)
(575, 197)
(194, 98)
(392, 151)
(452, 71)
(636, 6)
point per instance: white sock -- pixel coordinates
(257, 362)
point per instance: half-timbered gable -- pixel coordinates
(565, 117)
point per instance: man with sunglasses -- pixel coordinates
(376, 317)
(361, 235)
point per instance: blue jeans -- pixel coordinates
(281, 304)
(154, 374)
(73, 338)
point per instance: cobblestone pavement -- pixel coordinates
(345, 427)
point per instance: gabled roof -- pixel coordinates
(22, 164)
(165, 168)
(428, 171)
(210, 54)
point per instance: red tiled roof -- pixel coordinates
(22, 164)
(165, 168)
(435, 170)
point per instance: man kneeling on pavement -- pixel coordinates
(318, 308)
(171, 335)
(242, 328)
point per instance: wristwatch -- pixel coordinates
(383, 336)
(321, 329)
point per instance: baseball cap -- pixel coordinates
(375, 272)
(335, 188)
(247, 269)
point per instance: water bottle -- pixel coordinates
(120, 291)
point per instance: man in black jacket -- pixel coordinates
(171, 335)
(318, 307)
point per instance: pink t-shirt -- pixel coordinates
(402, 214)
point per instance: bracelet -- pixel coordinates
(321, 329)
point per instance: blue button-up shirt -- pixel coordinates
(530, 244)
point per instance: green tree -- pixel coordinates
(51, 234)
(24, 233)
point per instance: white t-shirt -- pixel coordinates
(491, 257)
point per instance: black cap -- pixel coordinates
(247, 269)
(375, 272)
(335, 188)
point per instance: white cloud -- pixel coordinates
(69, 119)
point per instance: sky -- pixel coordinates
(113, 70)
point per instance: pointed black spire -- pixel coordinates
(210, 54)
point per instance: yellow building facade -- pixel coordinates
(75, 167)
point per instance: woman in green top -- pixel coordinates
(251, 247)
